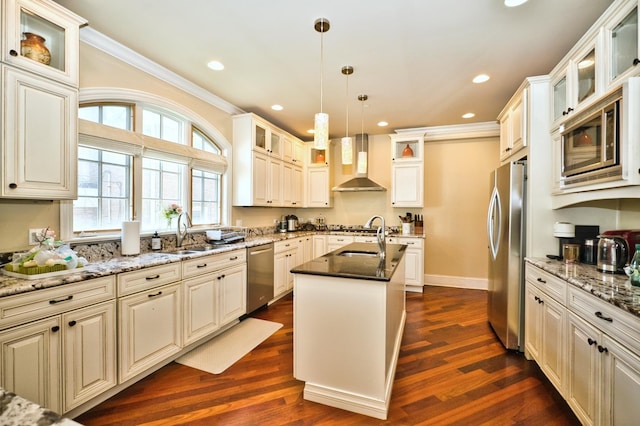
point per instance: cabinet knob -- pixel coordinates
(13, 53)
(602, 349)
(13, 185)
(55, 328)
(72, 323)
(636, 61)
(591, 341)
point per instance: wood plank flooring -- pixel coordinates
(451, 370)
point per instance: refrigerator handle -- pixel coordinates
(494, 220)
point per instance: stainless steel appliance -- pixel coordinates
(613, 253)
(505, 226)
(259, 276)
(292, 223)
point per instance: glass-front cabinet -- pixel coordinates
(622, 36)
(407, 148)
(41, 37)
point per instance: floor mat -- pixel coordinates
(224, 350)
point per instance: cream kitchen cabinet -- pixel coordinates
(317, 177)
(285, 258)
(266, 187)
(233, 293)
(513, 125)
(39, 137)
(292, 185)
(150, 317)
(407, 170)
(293, 151)
(205, 278)
(253, 133)
(319, 244)
(334, 242)
(622, 47)
(305, 249)
(58, 345)
(414, 262)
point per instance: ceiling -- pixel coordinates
(413, 58)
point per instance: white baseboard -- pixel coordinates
(458, 282)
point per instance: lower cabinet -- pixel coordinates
(319, 245)
(201, 313)
(285, 258)
(414, 262)
(66, 358)
(150, 328)
(233, 293)
(334, 242)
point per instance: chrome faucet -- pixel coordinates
(382, 245)
(181, 233)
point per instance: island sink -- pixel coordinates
(354, 253)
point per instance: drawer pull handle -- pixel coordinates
(13, 53)
(155, 277)
(154, 295)
(72, 323)
(54, 301)
(55, 328)
(540, 280)
(602, 349)
(233, 258)
(602, 317)
(591, 341)
(204, 265)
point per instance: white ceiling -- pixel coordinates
(414, 58)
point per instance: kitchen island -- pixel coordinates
(349, 315)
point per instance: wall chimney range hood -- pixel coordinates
(360, 182)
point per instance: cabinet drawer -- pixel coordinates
(205, 264)
(550, 284)
(143, 279)
(22, 308)
(281, 246)
(340, 239)
(417, 243)
(618, 324)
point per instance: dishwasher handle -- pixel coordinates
(254, 252)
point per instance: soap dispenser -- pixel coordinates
(156, 242)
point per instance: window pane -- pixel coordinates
(88, 178)
(114, 158)
(116, 116)
(114, 181)
(151, 123)
(88, 153)
(113, 213)
(205, 188)
(170, 129)
(162, 184)
(85, 213)
(90, 113)
(200, 141)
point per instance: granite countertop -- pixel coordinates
(11, 285)
(358, 267)
(17, 411)
(615, 289)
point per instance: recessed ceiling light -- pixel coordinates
(277, 107)
(383, 123)
(468, 115)
(216, 65)
(480, 78)
(311, 131)
(514, 3)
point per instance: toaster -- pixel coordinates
(631, 236)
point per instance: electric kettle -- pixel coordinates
(613, 253)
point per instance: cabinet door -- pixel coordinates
(200, 307)
(317, 187)
(260, 185)
(30, 362)
(319, 245)
(583, 369)
(406, 184)
(291, 185)
(413, 274)
(518, 123)
(233, 293)
(533, 323)
(40, 137)
(280, 273)
(553, 342)
(298, 187)
(89, 336)
(150, 328)
(275, 182)
(620, 385)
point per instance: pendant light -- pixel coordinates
(347, 142)
(321, 122)
(362, 154)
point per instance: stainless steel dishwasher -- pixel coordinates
(259, 276)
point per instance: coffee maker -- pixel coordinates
(565, 232)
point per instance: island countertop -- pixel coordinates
(333, 264)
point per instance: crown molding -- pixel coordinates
(119, 51)
(487, 129)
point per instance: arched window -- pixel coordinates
(131, 167)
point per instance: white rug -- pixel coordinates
(224, 350)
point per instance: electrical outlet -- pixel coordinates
(35, 235)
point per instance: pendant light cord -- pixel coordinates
(321, 62)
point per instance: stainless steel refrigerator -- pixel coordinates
(505, 230)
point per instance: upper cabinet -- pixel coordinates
(42, 37)
(621, 42)
(407, 170)
(513, 125)
(39, 100)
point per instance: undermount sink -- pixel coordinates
(356, 253)
(182, 252)
(192, 250)
(201, 248)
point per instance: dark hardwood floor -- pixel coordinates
(451, 370)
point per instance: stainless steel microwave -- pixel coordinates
(592, 143)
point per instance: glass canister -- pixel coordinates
(634, 268)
